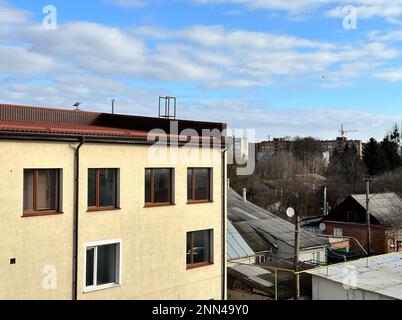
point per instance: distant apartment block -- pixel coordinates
(278, 146)
(91, 208)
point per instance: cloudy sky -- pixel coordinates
(285, 68)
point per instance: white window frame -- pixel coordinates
(96, 244)
(317, 257)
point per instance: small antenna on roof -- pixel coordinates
(113, 105)
(76, 105)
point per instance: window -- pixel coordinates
(42, 194)
(199, 248)
(158, 186)
(316, 257)
(260, 259)
(103, 189)
(199, 185)
(102, 265)
(338, 232)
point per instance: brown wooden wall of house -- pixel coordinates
(359, 231)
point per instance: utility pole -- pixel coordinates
(368, 180)
(296, 259)
(290, 212)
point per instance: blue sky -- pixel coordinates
(284, 68)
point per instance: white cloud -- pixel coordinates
(208, 56)
(323, 122)
(269, 56)
(393, 75)
(12, 15)
(130, 3)
(366, 9)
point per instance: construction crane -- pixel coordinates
(344, 132)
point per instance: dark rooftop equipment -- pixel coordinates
(76, 105)
(113, 106)
(168, 107)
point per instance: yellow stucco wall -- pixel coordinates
(153, 239)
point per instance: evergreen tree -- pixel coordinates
(374, 158)
(390, 150)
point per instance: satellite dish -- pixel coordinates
(290, 212)
(323, 227)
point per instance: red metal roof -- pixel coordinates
(32, 120)
(37, 127)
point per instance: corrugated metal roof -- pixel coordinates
(253, 276)
(24, 121)
(237, 247)
(382, 275)
(262, 229)
(40, 114)
(385, 207)
(61, 128)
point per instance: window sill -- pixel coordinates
(155, 205)
(103, 209)
(199, 201)
(100, 288)
(41, 214)
(199, 265)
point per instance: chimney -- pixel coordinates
(245, 195)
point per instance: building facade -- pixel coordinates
(350, 219)
(94, 210)
(376, 278)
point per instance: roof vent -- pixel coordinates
(167, 107)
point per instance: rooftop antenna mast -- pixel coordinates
(167, 107)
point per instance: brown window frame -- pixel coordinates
(200, 264)
(97, 207)
(152, 191)
(193, 196)
(35, 212)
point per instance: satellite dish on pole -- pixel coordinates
(323, 227)
(290, 212)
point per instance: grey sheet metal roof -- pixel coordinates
(382, 274)
(262, 229)
(237, 246)
(385, 207)
(263, 280)
(253, 275)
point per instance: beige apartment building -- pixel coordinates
(92, 208)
